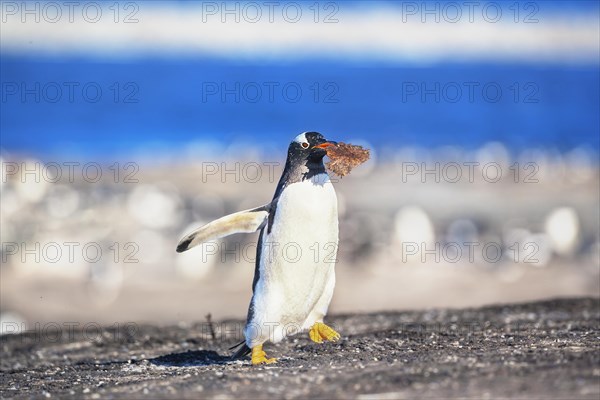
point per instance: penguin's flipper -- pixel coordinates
(240, 222)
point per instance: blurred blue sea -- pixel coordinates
(529, 80)
(173, 101)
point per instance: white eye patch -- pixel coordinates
(301, 138)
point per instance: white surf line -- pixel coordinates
(385, 34)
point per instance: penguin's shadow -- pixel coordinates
(191, 358)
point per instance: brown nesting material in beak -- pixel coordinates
(345, 157)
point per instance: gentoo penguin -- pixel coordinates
(294, 274)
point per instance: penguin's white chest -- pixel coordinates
(299, 253)
(307, 212)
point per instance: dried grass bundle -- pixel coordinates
(345, 157)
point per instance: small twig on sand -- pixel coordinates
(211, 326)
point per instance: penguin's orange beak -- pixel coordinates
(325, 145)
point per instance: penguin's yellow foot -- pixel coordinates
(320, 332)
(260, 357)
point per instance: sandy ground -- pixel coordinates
(548, 349)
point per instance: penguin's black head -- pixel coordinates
(305, 159)
(309, 148)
